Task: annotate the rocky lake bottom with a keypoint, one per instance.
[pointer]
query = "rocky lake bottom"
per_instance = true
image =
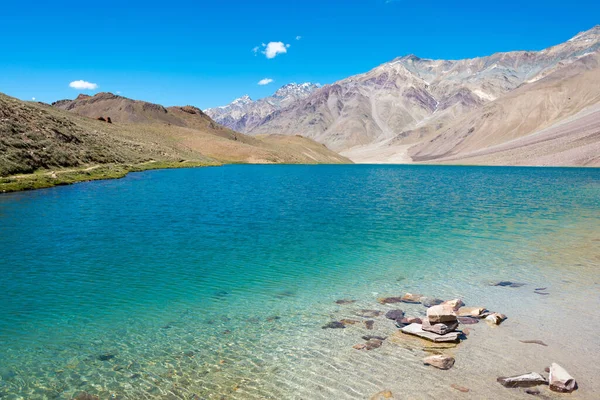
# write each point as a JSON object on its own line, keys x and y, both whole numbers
{"x": 217, "y": 283}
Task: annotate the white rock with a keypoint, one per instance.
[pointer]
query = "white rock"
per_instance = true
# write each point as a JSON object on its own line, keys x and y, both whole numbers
{"x": 560, "y": 380}
{"x": 525, "y": 380}
{"x": 439, "y": 361}
{"x": 495, "y": 318}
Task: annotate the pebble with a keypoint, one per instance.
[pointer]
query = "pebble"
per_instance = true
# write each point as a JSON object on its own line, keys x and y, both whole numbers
{"x": 460, "y": 388}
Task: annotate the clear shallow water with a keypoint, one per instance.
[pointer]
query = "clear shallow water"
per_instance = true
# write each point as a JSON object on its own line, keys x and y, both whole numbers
{"x": 215, "y": 282}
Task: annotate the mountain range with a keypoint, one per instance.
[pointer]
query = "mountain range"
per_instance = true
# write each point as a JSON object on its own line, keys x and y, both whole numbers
{"x": 507, "y": 108}
{"x": 245, "y": 114}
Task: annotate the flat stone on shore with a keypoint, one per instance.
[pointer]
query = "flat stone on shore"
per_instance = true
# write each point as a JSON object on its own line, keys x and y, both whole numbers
{"x": 525, "y": 380}
{"x": 417, "y": 330}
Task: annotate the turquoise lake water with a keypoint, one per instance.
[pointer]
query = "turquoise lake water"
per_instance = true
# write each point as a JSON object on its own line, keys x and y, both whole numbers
{"x": 215, "y": 282}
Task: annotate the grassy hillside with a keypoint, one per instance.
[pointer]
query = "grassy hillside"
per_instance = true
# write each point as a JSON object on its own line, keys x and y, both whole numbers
{"x": 43, "y": 146}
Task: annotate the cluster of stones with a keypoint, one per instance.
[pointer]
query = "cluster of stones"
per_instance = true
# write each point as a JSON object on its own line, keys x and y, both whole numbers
{"x": 441, "y": 326}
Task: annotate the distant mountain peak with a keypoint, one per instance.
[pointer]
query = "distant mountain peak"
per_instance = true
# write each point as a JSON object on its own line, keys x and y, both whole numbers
{"x": 243, "y": 113}
{"x": 295, "y": 89}
{"x": 245, "y": 99}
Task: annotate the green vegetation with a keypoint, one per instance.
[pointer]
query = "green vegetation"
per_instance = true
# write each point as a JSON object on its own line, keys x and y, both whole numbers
{"x": 45, "y": 179}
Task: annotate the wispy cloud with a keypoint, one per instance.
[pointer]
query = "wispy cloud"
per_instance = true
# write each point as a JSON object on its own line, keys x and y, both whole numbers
{"x": 271, "y": 49}
{"x": 265, "y": 81}
{"x": 298, "y": 37}
{"x": 83, "y": 85}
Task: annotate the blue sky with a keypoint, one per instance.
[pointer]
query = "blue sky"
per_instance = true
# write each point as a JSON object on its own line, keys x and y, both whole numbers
{"x": 201, "y": 53}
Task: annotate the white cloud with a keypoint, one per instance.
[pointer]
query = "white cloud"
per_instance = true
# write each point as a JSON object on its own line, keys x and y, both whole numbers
{"x": 33, "y": 99}
{"x": 255, "y": 50}
{"x": 83, "y": 85}
{"x": 265, "y": 81}
{"x": 274, "y": 48}
{"x": 298, "y": 37}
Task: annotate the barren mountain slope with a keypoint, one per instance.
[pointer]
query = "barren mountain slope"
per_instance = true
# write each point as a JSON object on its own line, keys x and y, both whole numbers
{"x": 414, "y": 97}
{"x": 531, "y": 108}
{"x": 572, "y": 141}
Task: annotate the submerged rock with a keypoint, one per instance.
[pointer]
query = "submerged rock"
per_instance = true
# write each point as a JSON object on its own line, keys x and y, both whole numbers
{"x": 431, "y": 301}
{"x": 439, "y": 361}
{"x": 394, "y": 314}
{"x": 411, "y": 320}
{"x": 411, "y": 298}
{"x": 368, "y": 313}
{"x": 373, "y": 344}
{"x": 534, "y": 392}
{"x": 370, "y": 344}
{"x": 345, "y": 301}
{"x": 106, "y": 357}
{"x": 525, "y": 380}
{"x": 349, "y": 321}
{"x": 369, "y": 337}
{"x": 508, "y": 284}
{"x": 334, "y": 325}
{"x": 560, "y": 380}
{"x": 384, "y": 394}
{"x": 468, "y": 320}
{"x": 439, "y": 328}
{"x": 416, "y": 343}
{"x": 389, "y": 300}
{"x": 440, "y": 314}
{"x": 369, "y": 324}
{"x": 460, "y": 388}
{"x": 417, "y": 330}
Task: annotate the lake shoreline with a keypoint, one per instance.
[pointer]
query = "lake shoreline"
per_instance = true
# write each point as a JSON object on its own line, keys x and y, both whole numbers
{"x": 63, "y": 177}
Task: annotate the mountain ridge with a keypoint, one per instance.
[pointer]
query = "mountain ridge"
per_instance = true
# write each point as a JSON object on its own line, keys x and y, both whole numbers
{"x": 410, "y": 98}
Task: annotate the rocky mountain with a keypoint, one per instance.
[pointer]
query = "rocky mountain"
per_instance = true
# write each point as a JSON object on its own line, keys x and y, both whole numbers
{"x": 244, "y": 114}
{"x": 379, "y": 115}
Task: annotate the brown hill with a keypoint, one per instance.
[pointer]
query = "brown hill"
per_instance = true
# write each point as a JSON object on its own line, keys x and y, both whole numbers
{"x": 34, "y": 136}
